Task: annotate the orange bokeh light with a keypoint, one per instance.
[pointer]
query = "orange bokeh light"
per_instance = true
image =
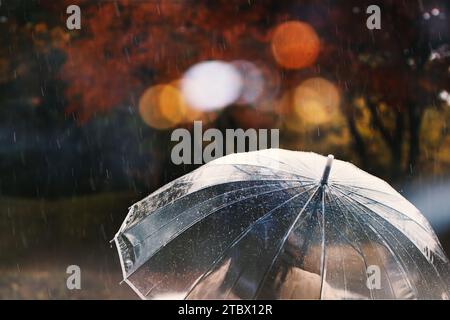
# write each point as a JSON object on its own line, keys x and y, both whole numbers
{"x": 161, "y": 107}
{"x": 171, "y": 104}
{"x": 295, "y": 45}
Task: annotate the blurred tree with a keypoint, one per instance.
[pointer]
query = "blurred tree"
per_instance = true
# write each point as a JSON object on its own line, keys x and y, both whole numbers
{"x": 389, "y": 76}
{"x": 44, "y": 151}
{"x": 124, "y": 46}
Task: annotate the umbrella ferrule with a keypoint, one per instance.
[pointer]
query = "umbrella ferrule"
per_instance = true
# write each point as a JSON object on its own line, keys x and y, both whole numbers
{"x": 326, "y": 171}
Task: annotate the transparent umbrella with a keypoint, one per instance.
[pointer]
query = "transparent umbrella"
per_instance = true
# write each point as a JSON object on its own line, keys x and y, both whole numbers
{"x": 278, "y": 224}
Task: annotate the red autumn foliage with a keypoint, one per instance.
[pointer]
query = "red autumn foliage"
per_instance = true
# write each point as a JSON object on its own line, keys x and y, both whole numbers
{"x": 125, "y": 45}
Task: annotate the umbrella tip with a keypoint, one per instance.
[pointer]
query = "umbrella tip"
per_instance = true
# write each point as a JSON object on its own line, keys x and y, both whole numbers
{"x": 326, "y": 171}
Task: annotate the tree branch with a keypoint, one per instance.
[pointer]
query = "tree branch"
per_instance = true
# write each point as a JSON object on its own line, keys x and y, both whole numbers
{"x": 379, "y": 124}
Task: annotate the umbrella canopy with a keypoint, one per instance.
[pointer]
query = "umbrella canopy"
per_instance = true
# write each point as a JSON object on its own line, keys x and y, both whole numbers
{"x": 280, "y": 224}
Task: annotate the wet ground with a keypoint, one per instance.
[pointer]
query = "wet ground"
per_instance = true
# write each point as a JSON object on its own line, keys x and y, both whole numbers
{"x": 39, "y": 239}
{"x": 46, "y": 279}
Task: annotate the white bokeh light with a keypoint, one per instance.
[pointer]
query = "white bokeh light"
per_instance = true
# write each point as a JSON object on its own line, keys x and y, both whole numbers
{"x": 252, "y": 82}
{"x": 211, "y": 85}
{"x": 435, "y": 12}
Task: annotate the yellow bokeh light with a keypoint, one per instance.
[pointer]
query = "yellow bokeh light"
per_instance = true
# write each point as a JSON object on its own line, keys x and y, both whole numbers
{"x": 295, "y": 45}
{"x": 316, "y": 101}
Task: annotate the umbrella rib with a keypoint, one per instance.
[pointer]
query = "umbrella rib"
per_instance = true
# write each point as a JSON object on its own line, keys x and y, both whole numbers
{"x": 153, "y": 287}
{"x": 405, "y": 217}
{"x": 197, "y": 220}
{"x": 407, "y": 252}
{"x": 343, "y": 235}
{"x": 360, "y": 251}
{"x": 228, "y": 292}
{"x": 412, "y": 259}
{"x": 340, "y": 232}
{"x": 348, "y": 240}
{"x": 286, "y": 235}
{"x": 399, "y": 260}
{"x": 323, "y": 269}
{"x": 349, "y": 188}
{"x": 258, "y": 166}
{"x": 367, "y": 210}
{"x": 343, "y": 270}
{"x": 367, "y": 236}
{"x": 158, "y": 210}
{"x": 384, "y": 205}
{"x": 147, "y": 199}
{"x": 239, "y": 238}
{"x": 294, "y": 168}
{"x": 206, "y": 186}
{"x": 157, "y": 192}
{"x": 239, "y": 168}
{"x": 361, "y": 188}
{"x": 222, "y": 206}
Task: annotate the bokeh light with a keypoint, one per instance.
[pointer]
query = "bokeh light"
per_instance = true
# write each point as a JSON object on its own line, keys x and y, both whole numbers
{"x": 211, "y": 85}
{"x": 252, "y": 82}
{"x": 295, "y": 45}
{"x": 312, "y": 104}
{"x": 192, "y": 114}
{"x": 316, "y": 101}
{"x": 171, "y": 104}
{"x": 162, "y": 106}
